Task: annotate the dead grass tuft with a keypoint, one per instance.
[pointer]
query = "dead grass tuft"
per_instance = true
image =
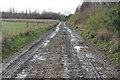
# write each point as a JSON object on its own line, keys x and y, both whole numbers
{"x": 104, "y": 34}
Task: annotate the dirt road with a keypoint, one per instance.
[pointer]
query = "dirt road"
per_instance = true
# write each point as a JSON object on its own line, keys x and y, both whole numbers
{"x": 60, "y": 54}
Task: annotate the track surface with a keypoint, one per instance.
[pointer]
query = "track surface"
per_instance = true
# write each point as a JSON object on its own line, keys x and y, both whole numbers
{"x": 61, "y": 54}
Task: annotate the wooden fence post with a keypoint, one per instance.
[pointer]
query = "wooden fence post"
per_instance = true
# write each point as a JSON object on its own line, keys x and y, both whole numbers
{"x": 27, "y": 23}
{"x": 37, "y": 23}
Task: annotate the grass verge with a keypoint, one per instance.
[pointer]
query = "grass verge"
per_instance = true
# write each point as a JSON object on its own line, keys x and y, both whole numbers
{"x": 109, "y": 47}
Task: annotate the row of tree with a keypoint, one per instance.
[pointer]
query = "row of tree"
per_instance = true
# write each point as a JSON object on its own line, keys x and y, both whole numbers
{"x": 32, "y": 15}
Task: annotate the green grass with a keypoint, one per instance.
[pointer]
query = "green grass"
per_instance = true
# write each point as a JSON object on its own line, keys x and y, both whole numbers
{"x": 115, "y": 58}
{"x": 14, "y": 28}
{"x": 18, "y": 42}
{"x": 0, "y": 57}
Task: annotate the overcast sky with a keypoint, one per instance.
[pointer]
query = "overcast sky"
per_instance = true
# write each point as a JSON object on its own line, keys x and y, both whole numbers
{"x": 40, "y": 5}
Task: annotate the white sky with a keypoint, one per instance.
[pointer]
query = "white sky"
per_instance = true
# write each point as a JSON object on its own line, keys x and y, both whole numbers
{"x": 40, "y": 5}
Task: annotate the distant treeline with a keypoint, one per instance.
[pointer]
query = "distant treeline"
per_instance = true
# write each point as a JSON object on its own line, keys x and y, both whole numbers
{"x": 32, "y": 15}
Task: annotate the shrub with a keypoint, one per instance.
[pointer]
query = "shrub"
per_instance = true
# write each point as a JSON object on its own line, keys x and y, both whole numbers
{"x": 74, "y": 19}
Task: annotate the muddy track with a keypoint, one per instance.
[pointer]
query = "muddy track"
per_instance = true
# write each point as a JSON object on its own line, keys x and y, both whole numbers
{"x": 61, "y": 54}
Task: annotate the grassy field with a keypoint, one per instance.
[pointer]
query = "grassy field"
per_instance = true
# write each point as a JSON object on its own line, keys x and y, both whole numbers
{"x": 14, "y": 28}
{"x": 10, "y": 29}
{"x": 31, "y": 20}
{"x": 16, "y": 35}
